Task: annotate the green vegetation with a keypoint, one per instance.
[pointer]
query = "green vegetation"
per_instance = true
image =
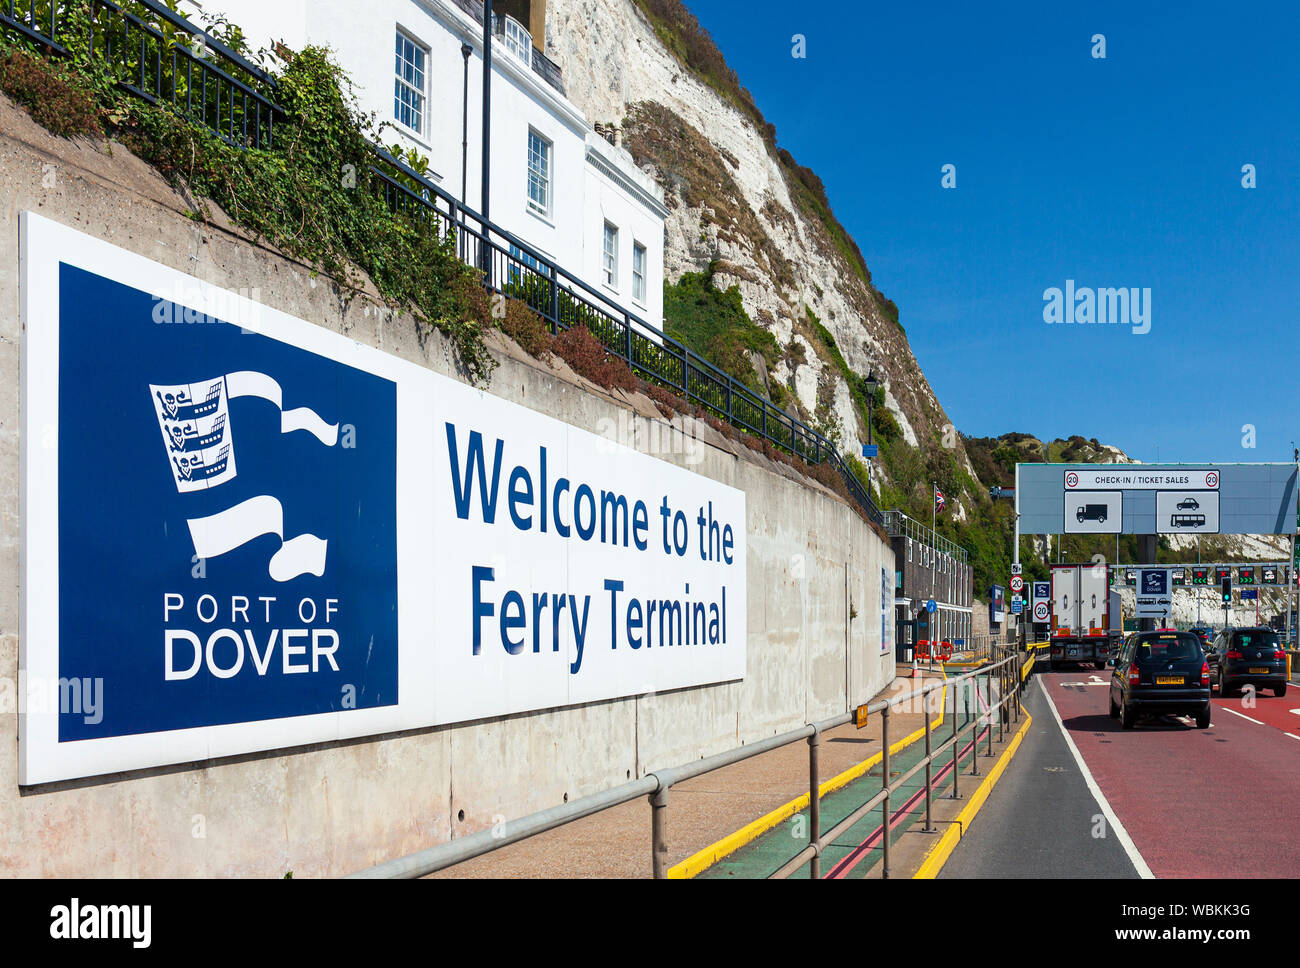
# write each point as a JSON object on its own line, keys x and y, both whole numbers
{"x": 307, "y": 195}
{"x": 884, "y": 427}
{"x": 715, "y": 325}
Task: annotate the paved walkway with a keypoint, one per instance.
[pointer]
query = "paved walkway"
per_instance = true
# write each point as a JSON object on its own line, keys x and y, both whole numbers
{"x": 702, "y": 811}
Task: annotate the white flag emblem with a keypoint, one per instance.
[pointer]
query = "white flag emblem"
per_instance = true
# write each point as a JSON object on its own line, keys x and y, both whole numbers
{"x": 195, "y": 422}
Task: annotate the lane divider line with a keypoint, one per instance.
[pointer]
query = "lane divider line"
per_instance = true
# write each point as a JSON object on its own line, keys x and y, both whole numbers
{"x": 1242, "y": 715}
{"x": 938, "y": 854}
{"x": 702, "y": 860}
{"x": 1121, "y": 834}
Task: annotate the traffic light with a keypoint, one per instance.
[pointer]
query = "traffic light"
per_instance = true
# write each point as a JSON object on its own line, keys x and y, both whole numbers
{"x": 1227, "y": 591}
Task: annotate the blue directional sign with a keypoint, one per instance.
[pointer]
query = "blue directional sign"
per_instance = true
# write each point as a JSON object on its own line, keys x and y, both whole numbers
{"x": 870, "y": 450}
{"x": 1017, "y": 606}
{"x": 1249, "y": 593}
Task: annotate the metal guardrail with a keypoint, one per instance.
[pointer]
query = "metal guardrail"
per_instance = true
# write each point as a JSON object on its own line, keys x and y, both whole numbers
{"x": 151, "y": 68}
{"x": 1005, "y": 707}
{"x": 900, "y": 525}
{"x": 200, "y": 78}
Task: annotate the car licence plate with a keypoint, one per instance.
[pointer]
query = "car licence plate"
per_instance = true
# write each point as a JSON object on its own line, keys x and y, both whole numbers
{"x": 1259, "y": 672}
{"x": 1169, "y": 680}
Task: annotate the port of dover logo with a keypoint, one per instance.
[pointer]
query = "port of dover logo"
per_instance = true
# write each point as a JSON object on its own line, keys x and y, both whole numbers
{"x": 199, "y": 442}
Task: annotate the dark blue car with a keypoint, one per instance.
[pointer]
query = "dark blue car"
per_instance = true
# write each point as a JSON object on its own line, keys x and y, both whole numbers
{"x": 1252, "y": 656}
{"x": 1160, "y": 674}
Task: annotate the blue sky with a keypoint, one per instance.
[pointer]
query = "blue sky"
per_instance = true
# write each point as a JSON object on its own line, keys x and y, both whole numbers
{"x": 1117, "y": 172}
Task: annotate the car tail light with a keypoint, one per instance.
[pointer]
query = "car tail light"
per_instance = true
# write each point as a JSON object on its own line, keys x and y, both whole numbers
{"x": 1279, "y": 652}
{"x": 1205, "y": 673}
{"x": 1234, "y": 655}
{"x": 1133, "y": 677}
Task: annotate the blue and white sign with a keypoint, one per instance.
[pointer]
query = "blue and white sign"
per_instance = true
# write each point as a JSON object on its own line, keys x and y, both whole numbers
{"x": 1154, "y": 594}
{"x": 244, "y": 532}
{"x": 931, "y": 606}
{"x": 886, "y": 613}
{"x": 997, "y": 604}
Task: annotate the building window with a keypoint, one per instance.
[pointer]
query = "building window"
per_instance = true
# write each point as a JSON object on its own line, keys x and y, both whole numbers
{"x": 518, "y": 40}
{"x": 638, "y": 271}
{"x": 609, "y": 256}
{"x": 408, "y": 85}
{"x": 539, "y": 173}
{"x": 519, "y": 258}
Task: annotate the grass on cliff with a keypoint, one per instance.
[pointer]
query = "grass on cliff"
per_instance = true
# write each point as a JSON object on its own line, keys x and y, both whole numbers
{"x": 714, "y": 324}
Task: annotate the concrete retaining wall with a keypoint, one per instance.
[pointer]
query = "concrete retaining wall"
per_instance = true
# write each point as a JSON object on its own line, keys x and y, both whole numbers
{"x": 332, "y": 808}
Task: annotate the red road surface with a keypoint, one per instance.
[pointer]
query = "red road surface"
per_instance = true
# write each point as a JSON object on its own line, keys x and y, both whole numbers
{"x": 1283, "y": 714}
{"x": 1216, "y": 802}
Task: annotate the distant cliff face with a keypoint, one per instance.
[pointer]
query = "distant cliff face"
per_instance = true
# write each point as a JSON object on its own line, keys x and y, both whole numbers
{"x": 734, "y": 203}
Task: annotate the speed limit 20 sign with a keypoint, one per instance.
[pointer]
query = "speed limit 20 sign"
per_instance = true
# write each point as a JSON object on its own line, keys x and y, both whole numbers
{"x": 1040, "y": 611}
{"x": 1017, "y": 583}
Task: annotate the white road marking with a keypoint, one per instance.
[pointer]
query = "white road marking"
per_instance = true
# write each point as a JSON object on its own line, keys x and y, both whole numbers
{"x": 1121, "y": 834}
{"x": 1292, "y": 735}
{"x": 1242, "y": 715}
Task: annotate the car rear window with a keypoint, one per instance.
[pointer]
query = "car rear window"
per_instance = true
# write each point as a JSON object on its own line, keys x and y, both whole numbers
{"x": 1179, "y": 645}
{"x": 1255, "y": 640}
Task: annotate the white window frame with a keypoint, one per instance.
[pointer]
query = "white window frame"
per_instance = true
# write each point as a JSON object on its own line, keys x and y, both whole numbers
{"x": 516, "y": 38}
{"x": 544, "y": 177}
{"x": 421, "y": 92}
{"x": 639, "y": 276}
{"x": 608, "y": 259}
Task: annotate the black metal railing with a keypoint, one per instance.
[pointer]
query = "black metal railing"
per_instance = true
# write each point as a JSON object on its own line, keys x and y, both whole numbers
{"x": 208, "y": 90}
{"x": 165, "y": 60}
{"x": 562, "y": 300}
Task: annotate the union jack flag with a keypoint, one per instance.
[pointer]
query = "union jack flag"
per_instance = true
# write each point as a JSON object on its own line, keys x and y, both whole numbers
{"x": 938, "y": 500}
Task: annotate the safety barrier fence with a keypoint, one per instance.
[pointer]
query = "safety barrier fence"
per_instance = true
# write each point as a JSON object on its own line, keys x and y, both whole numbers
{"x": 1001, "y": 679}
{"x": 161, "y": 57}
{"x": 173, "y": 61}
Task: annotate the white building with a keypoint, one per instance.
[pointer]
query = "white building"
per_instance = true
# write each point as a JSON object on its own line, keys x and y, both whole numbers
{"x": 555, "y": 183}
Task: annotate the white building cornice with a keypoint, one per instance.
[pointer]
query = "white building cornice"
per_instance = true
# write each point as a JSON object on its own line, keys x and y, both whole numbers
{"x": 609, "y": 169}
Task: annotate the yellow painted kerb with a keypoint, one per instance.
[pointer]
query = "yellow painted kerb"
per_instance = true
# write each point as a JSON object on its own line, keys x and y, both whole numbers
{"x": 706, "y": 858}
{"x": 939, "y": 854}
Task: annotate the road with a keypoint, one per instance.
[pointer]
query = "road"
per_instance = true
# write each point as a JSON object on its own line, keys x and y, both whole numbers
{"x": 1038, "y": 821}
{"x": 1184, "y": 802}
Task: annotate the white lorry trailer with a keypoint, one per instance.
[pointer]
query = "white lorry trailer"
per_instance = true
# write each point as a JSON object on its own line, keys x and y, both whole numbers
{"x": 1081, "y": 607}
